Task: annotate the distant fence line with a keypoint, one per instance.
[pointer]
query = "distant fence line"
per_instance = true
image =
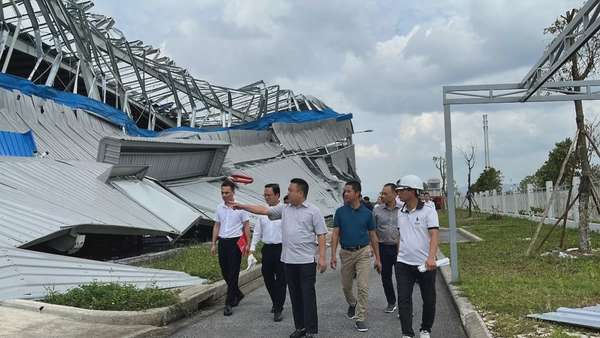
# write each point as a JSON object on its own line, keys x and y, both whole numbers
{"x": 531, "y": 204}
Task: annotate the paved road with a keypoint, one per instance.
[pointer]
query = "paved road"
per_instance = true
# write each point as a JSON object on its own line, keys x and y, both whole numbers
{"x": 252, "y": 317}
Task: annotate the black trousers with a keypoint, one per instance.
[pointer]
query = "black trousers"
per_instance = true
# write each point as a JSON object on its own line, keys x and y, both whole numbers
{"x": 407, "y": 275}
{"x": 230, "y": 259}
{"x": 388, "y": 254}
{"x": 301, "y": 280}
{"x": 273, "y": 271}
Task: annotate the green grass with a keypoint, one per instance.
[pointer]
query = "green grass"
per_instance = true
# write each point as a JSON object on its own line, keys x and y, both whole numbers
{"x": 197, "y": 261}
{"x": 113, "y": 296}
{"x": 506, "y": 285}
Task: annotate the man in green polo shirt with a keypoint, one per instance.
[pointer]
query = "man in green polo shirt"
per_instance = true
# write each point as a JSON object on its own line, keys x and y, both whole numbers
{"x": 355, "y": 229}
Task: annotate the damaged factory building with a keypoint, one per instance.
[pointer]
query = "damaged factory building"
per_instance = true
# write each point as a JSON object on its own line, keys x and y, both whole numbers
{"x": 108, "y": 150}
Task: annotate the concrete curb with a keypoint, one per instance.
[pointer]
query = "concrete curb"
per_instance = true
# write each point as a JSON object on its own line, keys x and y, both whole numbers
{"x": 190, "y": 301}
{"x": 472, "y": 322}
{"x": 149, "y": 256}
{"x": 470, "y": 235}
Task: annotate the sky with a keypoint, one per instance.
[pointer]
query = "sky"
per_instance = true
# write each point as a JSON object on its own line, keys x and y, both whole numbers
{"x": 383, "y": 61}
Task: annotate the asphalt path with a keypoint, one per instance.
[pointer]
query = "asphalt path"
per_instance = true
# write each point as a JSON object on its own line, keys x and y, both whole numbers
{"x": 252, "y": 318}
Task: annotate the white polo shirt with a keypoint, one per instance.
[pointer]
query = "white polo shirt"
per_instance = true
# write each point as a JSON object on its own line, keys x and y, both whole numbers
{"x": 231, "y": 221}
{"x": 414, "y": 229}
{"x": 266, "y": 231}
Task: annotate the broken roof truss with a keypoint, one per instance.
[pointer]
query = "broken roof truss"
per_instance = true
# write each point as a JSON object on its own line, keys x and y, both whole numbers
{"x": 66, "y": 35}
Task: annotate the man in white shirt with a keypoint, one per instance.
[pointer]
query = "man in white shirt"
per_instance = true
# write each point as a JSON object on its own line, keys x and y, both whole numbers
{"x": 427, "y": 200}
{"x": 229, "y": 226}
{"x": 419, "y": 230}
{"x": 273, "y": 269}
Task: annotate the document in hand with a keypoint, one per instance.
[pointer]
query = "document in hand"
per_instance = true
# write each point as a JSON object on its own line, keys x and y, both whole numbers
{"x": 241, "y": 243}
{"x": 438, "y": 263}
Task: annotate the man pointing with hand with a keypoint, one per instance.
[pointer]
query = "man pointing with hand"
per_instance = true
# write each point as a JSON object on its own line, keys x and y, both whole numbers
{"x": 300, "y": 223}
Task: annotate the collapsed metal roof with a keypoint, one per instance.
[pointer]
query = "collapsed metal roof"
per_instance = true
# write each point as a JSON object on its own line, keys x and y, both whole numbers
{"x": 29, "y": 274}
{"x": 163, "y": 183}
{"x": 61, "y": 132}
{"x": 85, "y": 52}
{"x": 46, "y": 199}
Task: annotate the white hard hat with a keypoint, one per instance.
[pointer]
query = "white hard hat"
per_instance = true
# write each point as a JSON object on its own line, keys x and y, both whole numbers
{"x": 410, "y": 181}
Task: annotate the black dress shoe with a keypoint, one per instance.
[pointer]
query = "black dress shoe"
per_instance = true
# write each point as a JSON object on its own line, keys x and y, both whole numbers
{"x": 238, "y": 299}
{"x": 227, "y": 311}
{"x": 298, "y": 333}
{"x": 278, "y": 316}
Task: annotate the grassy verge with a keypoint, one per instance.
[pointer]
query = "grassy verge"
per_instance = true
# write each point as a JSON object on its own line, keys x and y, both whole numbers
{"x": 197, "y": 261}
{"x": 505, "y": 285}
{"x": 113, "y": 296}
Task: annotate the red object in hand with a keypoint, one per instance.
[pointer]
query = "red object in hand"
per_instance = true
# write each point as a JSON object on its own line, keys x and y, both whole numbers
{"x": 242, "y": 179}
{"x": 241, "y": 243}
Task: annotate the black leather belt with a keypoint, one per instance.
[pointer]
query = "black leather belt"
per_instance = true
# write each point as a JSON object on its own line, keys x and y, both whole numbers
{"x": 354, "y": 248}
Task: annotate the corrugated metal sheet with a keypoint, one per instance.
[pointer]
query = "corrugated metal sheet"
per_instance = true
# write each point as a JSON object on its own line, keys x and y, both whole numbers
{"x": 206, "y": 194}
{"x": 251, "y": 145}
{"x": 246, "y": 145}
{"x": 153, "y": 197}
{"x": 28, "y": 274}
{"x": 40, "y": 197}
{"x": 167, "y": 159}
{"x": 59, "y": 130}
{"x": 311, "y": 135}
{"x": 586, "y": 317}
{"x": 282, "y": 171}
{"x": 342, "y": 163}
{"x": 17, "y": 144}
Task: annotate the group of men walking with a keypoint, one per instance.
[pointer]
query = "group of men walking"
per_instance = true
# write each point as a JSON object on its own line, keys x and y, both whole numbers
{"x": 401, "y": 233}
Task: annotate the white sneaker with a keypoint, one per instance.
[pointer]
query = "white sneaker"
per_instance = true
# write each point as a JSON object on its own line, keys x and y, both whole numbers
{"x": 424, "y": 334}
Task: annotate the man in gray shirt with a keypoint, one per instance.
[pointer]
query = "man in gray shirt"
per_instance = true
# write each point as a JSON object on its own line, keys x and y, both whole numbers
{"x": 385, "y": 217}
{"x": 300, "y": 223}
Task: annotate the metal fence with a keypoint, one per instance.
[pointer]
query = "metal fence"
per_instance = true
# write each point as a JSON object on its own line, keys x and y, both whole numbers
{"x": 531, "y": 204}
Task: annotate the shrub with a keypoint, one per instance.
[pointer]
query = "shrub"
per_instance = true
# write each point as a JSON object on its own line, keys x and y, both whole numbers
{"x": 113, "y": 296}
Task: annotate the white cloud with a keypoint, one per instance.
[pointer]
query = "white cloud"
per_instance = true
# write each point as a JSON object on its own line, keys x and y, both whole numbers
{"x": 369, "y": 152}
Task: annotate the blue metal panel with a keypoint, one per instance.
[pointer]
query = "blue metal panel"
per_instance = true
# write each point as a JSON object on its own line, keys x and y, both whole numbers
{"x": 17, "y": 144}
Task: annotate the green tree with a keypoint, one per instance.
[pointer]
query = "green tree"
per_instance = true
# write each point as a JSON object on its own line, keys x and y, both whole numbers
{"x": 551, "y": 168}
{"x": 530, "y": 179}
{"x": 490, "y": 179}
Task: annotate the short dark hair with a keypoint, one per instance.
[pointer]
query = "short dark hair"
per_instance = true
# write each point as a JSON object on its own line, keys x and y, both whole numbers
{"x": 355, "y": 185}
{"x": 302, "y": 184}
{"x": 367, "y": 198}
{"x": 391, "y": 186}
{"x": 274, "y": 187}
{"x": 228, "y": 183}
{"x": 425, "y": 193}
{"x": 285, "y": 198}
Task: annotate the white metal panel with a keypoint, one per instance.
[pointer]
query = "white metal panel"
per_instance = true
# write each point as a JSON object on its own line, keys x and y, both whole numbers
{"x": 28, "y": 274}
{"x": 40, "y": 197}
{"x": 160, "y": 202}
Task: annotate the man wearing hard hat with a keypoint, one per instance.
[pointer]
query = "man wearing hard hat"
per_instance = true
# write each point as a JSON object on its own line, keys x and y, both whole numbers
{"x": 419, "y": 230}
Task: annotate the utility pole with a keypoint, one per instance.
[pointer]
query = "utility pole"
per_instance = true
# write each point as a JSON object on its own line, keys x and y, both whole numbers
{"x": 486, "y": 142}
